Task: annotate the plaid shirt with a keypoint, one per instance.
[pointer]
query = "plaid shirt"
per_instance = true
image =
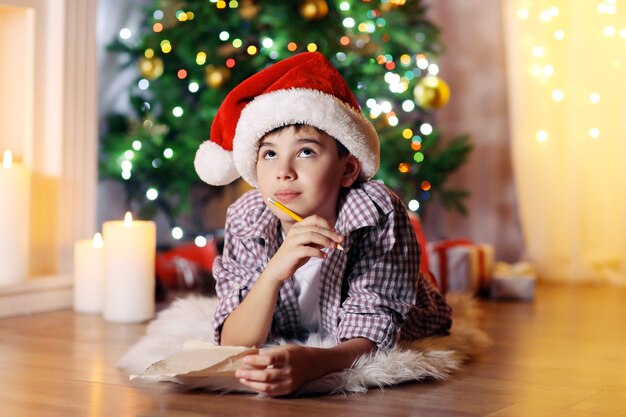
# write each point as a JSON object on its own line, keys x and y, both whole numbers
{"x": 373, "y": 289}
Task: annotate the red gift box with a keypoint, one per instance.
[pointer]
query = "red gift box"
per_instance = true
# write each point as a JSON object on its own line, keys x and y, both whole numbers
{"x": 419, "y": 232}
{"x": 461, "y": 265}
{"x": 178, "y": 267}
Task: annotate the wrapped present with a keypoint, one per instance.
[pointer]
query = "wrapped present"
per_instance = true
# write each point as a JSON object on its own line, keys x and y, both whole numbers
{"x": 421, "y": 238}
{"x": 516, "y": 281}
{"x": 180, "y": 267}
{"x": 462, "y": 265}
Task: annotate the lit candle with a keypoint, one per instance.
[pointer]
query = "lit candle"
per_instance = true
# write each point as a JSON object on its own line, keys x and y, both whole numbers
{"x": 89, "y": 275}
{"x": 14, "y": 220}
{"x": 130, "y": 249}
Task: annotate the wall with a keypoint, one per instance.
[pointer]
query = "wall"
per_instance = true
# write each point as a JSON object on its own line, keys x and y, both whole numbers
{"x": 474, "y": 67}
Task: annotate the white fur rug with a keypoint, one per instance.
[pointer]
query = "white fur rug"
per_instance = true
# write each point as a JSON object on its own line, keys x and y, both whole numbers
{"x": 430, "y": 358}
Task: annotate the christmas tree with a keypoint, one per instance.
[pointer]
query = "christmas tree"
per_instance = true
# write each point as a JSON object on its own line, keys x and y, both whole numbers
{"x": 191, "y": 53}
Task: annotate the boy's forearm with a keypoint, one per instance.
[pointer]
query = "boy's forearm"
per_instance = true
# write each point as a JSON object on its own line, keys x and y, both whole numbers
{"x": 249, "y": 324}
{"x": 340, "y": 357}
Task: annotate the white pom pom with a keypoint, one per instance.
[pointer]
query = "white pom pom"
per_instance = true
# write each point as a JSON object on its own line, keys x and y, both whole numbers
{"x": 214, "y": 164}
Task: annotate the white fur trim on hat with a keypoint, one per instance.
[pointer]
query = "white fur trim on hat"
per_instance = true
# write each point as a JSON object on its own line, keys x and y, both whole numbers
{"x": 214, "y": 164}
{"x": 311, "y": 107}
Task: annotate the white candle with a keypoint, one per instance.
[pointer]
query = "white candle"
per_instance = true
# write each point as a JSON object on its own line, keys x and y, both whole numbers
{"x": 130, "y": 250}
{"x": 89, "y": 275}
{"x": 14, "y": 220}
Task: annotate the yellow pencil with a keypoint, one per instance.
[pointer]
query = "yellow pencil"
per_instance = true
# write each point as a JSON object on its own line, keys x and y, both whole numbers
{"x": 291, "y": 214}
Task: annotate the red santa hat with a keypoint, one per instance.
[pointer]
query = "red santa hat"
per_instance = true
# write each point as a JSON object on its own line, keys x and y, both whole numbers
{"x": 302, "y": 89}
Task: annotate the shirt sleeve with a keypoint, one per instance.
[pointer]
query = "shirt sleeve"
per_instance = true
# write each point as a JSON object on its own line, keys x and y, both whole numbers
{"x": 235, "y": 272}
{"x": 381, "y": 284}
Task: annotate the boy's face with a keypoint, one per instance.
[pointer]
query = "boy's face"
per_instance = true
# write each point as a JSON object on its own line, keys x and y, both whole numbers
{"x": 301, "y": 169}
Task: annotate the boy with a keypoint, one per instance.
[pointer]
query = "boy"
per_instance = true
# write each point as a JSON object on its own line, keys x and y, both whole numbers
{"x": 349, "y": 269}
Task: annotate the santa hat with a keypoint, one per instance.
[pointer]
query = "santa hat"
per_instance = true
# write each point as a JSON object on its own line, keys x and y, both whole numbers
{"x": 303, "y": 89}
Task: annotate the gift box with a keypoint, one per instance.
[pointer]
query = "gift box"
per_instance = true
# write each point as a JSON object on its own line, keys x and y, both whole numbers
{"x": 462, "y": 265}
{"x": 516, "y": 281}
{"x": 421, "y": 238}
{"x": 181, "y": 267}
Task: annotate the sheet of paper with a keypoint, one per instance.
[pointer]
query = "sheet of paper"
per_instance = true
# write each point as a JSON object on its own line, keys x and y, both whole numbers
{"x": 199, "y": 359}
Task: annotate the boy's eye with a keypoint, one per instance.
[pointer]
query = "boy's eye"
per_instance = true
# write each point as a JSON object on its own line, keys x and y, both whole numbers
{"x": 307, "y": 152}
{"x": 269, "y": 154}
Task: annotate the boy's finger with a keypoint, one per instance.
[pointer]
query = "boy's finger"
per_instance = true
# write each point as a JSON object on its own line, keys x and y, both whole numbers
{"x": 257, "y": 361}
{"x": 330, "y": 234}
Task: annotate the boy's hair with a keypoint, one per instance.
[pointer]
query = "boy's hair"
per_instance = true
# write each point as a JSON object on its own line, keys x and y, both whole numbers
{"x": 342, "y": 151}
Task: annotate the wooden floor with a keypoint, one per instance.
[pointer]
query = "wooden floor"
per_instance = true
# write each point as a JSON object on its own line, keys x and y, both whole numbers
{"x": 563, "y": 355}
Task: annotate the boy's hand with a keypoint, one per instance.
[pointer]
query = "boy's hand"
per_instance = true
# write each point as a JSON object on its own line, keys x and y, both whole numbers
{"x": 304, "y": 240}
{"x": 280, "y": 370}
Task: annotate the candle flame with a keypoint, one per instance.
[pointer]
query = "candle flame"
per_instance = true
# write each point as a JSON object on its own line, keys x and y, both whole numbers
{"x": 128, "y": 219}
{"x": 8, "y": 159}
{"x": 97, "y": 240}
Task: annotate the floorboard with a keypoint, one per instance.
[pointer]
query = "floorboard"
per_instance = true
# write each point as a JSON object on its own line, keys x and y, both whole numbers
{"x": 561, "y": 355}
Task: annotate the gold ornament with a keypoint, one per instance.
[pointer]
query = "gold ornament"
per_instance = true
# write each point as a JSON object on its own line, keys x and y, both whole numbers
{"x": 150, "y": 68}
{"x": 248, "y": 10}
{"x": 393, "y": 4}
{"x": 431, "y": 92}
{"x": 216, "y": 77}
{"x": 313, "y": 9}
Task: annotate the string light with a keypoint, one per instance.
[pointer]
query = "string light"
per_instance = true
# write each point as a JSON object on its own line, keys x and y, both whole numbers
{"x": 557, "y": 95}
{"x": 609, "y": 30}
{"x": 542, "y": 136}
{"x": 543, "y": 71}
{"x": 194, "y": 87}
{"x": 348, "y": 22}
{"x": 523, "y": 13}
{"x": 200, "y": 241}
{"x": 181, "y": 16}
{"x": 421, "y": 61}
{"x": 426, "y": 129}
{"x": 152, "y": 194}
{"x": 126, "y": 33}
{"x": 166, "y": 46}
{"x": 177, "y": 233}
{"x": 594, "y": 98}
{"x": 408, "y": 106}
